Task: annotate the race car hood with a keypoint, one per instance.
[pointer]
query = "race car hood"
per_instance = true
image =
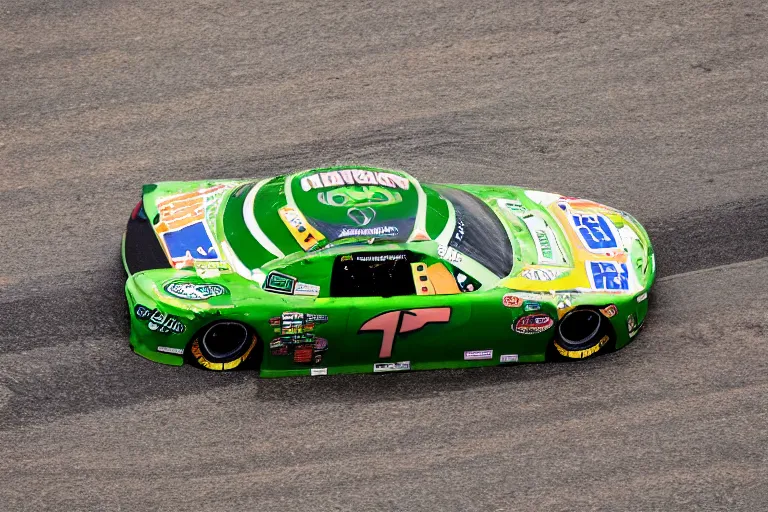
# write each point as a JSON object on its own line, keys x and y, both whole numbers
{"x": 574, "y": 244}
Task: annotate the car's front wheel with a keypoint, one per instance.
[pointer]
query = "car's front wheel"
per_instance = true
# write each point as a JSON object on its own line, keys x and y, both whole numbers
{"x": 582, "y": 333}
{"x": 223, "y": 345}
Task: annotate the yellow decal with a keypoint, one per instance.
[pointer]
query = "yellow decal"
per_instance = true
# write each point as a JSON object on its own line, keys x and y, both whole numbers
{"x": 581, "y": 354}
{"x": 302, "y": 231}
{"x": 204, "y": 362}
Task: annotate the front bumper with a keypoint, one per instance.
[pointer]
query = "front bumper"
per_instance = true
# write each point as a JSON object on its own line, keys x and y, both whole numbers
{"x": 155, "y": 325}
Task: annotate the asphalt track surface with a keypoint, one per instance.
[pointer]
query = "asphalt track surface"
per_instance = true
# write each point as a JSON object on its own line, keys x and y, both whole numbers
{"x": 657, "y": 107}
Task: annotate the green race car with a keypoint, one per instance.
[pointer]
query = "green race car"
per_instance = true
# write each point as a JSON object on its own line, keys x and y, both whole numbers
{"x": 357, "y": 269}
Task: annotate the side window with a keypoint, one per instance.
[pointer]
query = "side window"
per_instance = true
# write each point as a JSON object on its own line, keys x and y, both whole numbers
{"x": 370, "y": 274}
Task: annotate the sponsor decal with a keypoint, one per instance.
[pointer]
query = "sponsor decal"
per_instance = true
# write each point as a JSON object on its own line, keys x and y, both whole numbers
{"x": 642, "y": 297}
{"x": 307, "y": 236}
{"x": 346, "y": 177}
{"x": 377, "y": 231}
{"x": 392, "y": 367}
{"x": 511, "y": 301}
{"x": 545, "y": 246}
{"x": 296, "y": 337}
{"x": 211, "y": 269}
{"x": 610, "y": 311}
{"x": 513, "y": 205}
{"x": 171, "y": 350}
{"x": 314, "y": 372}
{"x": 183, "y": 227}
{"x": 537, "y": 297}
{"x": 158, "y": 321}
{"x": 508, "y": 358}
{"x": 596, "y": 232}
{"x": 458, "y": 232}
{"x": 194, "y": 291}
{"x": 542, "y": 274}
{"x": 449, "y": 253}
{"x": 533, "y": 324}
{"x": 278, "y": 282}
{"x": 608, "y": 275}
{"x": 544, "y": 239}
{"x": 474, "y": 355}
{"x": 306, "y": 289}
{"x": 393, "y": 323}
{"x": 532, "y": 306}
{"x": 376, "y": 257}
{"x": 197, "y": 236}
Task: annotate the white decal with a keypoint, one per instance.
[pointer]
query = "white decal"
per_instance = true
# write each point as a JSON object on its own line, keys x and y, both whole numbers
{"x": 193, "y": 291}
{"x": 392, "y": 367}
{"x": 542, "y": 198}
{"x": 306, "y": 289}
{"x": 513, "y": 205}
{"x": 542, "y": 274}
{"x": 171, "y": 350}
{"x": 508, "y": 358}
{"x": 353, "y": 177}
{"x": 472, "y": 355}
{"x": 378, "y": 231}
{"x": 545, "y": 240}
{"x": 318, "y": 371}
{"x": 449, "y": 253}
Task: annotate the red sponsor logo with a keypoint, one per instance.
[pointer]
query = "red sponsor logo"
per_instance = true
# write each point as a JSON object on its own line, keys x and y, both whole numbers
{"x": 303, "y": 355}
{"x": 511, "y": 301}
{"x": 532, "y": 324}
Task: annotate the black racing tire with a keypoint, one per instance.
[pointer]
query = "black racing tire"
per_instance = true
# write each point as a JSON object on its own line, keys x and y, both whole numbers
{"x": 582, "y": 333}
{"x": 223, "y": 345}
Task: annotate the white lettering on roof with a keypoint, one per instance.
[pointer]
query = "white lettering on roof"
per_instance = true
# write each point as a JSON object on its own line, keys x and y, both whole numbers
{"x": 353, "y": 177}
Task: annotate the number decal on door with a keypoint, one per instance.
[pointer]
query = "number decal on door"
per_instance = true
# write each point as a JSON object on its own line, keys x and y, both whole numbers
{"x": 400, "y": 322}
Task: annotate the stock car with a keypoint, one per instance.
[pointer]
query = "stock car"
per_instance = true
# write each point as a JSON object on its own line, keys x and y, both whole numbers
{"x": 352, "y": 269}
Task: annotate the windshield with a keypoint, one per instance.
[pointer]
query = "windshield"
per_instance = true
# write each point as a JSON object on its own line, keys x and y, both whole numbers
{"x": 479, "y": 233}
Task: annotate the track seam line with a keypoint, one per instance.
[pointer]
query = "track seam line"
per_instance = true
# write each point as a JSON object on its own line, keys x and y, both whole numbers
{"x": 712, "y": 269}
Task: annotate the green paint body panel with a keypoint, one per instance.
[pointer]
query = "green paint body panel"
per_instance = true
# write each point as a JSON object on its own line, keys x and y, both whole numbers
{"x": 380, "y": 212}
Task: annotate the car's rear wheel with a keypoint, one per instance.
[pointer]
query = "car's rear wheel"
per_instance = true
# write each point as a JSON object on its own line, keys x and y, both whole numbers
{"x": 582, "y": 333}
{"x": 223, "y": 345}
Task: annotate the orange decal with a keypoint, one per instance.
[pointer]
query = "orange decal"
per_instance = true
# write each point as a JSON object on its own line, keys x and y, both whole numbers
{"x": 183, "y": 209}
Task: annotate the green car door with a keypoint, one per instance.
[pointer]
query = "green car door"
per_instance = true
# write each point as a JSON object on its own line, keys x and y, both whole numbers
{"x": 408, "y": 331}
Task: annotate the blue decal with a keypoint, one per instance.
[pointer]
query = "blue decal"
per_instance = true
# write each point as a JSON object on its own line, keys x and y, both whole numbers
{"x": 193, "y": 239}
{"x": 595, "y": 231}
{"x": 607, "y": 275}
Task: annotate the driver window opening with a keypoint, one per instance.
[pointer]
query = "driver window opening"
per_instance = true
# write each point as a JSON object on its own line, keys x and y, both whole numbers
{"x": 371, "y": 274}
